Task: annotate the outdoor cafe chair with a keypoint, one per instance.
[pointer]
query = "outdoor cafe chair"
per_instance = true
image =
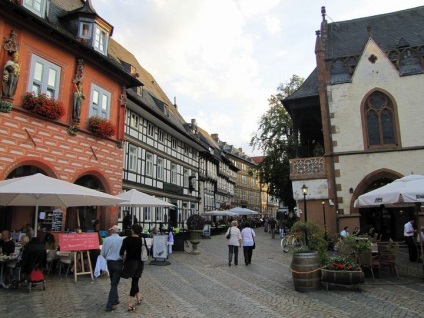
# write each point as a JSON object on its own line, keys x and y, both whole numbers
{"x": 366, "y": 260}
{"x": 388, "y": 258}
{"x": 65, "y": 258}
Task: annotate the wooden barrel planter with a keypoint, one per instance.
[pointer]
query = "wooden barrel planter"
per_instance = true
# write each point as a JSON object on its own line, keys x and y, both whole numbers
{"x": 343, "y": 277}
{"x": 306, "y": 271}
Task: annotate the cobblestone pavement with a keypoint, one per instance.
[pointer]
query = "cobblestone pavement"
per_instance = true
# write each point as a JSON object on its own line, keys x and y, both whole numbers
{"x": 205, "y": 286}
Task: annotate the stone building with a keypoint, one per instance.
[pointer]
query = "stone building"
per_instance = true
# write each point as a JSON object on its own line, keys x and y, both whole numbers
{"x": 362, "y": 104}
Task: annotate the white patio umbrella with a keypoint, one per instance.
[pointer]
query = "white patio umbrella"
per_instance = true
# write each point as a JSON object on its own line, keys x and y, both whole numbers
{"x": 409, "y": 189}
{"x": 40, "y": 190}
{"x": 243, "y": 211}
{"x": 135, "y": 198}
{"x": 220, "y": 213}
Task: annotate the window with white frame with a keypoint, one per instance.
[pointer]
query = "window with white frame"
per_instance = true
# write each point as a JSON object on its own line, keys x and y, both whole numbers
{"x": 100, "y": 102}
{"x": 150, "y": 129}
{"x": 185, "y": 211}
{"x": 243, "y": 195}
{"x": 100, "y": 40}
{"x": 186, "y": 179}
{"x": 161, "y": 136}
{"x": 44, "y": 77}
{"x": 147, "y": 214}
{"x": 85, "y": 30}
{"x": 159, "y": 213}
{"x": 193, "y": 208}
{"x": 159, "y": 168}
{"x": 173, "y": 173}
{"x": 174, "y": 143}
{"x": 134, "y": 120}
{"x": 243, "y": 179}
{"x": 36, "y": 6}
{"x": 132, "y": 157}
{"x": 149, "y": 164}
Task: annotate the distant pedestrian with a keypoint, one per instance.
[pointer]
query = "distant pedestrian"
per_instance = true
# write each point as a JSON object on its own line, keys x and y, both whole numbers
{"x": 133, "y": 265}
{"x": 234, "y": 242}
{"x": 408, "y": 233}
{"x": 344, "y": 232}
{"x": 248, "y": 238}
{"x": 110, "y": 251}
{"x": 272, "y": 223}
{"x": 170, "y": 240}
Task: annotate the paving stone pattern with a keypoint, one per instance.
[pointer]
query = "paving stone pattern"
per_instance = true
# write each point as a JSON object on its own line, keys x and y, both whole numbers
{"x": 205, "y": 286}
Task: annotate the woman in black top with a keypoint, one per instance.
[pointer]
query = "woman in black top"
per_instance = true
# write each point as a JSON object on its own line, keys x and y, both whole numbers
{"x": 133, "y": 266}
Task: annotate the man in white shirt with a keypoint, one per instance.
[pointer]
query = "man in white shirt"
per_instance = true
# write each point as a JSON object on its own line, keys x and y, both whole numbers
{"x": 408, "y": 233}
{"x": 344, "y": 233}
{"x": 110, "y": 251}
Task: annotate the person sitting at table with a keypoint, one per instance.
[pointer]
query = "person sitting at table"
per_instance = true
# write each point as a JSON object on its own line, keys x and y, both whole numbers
{"x": 15, "y": 265}
{"x": 34, "y": 256}
{"x": 344, "y": 232}
{"x": 51, "y": 248}
{"x": 7, "y": 244}
{"x": 356, "y": 231}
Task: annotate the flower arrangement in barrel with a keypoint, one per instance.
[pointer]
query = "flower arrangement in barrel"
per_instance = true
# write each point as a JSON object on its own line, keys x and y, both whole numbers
{"x": 43, "y": 105}
{"x": 342, "y": 264}
{"x": 101, "y": 127}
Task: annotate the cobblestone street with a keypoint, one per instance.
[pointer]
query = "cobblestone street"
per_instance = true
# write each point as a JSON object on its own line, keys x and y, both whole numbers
{"x": 205, "y": 286}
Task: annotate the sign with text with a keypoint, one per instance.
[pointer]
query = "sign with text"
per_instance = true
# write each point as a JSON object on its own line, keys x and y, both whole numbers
{"x": 78, "y": 242}
{"x": 160, "y": 246}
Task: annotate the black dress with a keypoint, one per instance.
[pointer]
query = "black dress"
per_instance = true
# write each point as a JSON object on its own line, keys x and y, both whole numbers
{"x": 133, "y": 266}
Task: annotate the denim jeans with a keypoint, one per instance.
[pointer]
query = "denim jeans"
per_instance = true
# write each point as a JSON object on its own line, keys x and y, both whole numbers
{"x": 115, "y": 269}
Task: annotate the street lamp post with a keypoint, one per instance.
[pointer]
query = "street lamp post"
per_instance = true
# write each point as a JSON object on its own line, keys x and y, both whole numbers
{"x": 305, "y": 192}
{"x": 323, "y": 212}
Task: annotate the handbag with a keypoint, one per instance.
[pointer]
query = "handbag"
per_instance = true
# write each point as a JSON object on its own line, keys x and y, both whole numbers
{"x": 229, "y": 234}
{"x": 254, "y": 243}
{"x": 144, "y": 251}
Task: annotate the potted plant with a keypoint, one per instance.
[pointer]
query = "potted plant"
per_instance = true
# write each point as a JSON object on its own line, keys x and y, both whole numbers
{"x": 101, "y": 127}
{"x": 43, "y": 105}
{"x": 195, "y": 224}
{"x": 342, "y": 270}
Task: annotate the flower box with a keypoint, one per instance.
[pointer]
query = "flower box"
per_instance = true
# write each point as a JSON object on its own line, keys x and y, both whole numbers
{"x": 43, "y": 105}
{"x": 101, "y": 127}
{"x": 342, "y": 277}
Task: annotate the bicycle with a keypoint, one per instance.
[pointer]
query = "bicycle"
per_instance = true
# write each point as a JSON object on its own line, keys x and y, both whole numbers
{"x": 292, "y": 241}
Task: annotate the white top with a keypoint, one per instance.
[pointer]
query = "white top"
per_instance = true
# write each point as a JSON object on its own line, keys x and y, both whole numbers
{"x": 408, "y": 228}
{"x": 344, "y": 233}
{"x": 247, "y": 235}
{"x": 235, "y": 236}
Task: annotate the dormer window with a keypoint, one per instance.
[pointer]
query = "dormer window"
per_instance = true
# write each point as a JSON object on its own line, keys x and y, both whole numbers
{"x": 36, "y": 6}
{"x": 85, "y": 30}
{"x": 100, "y": 40}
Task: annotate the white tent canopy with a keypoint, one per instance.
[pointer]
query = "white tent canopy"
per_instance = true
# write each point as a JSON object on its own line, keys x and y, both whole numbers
{"x": 219, "y": 213}
{"x": 406, "y": 190}
{"x": 243, "y": 211}
{"x": 40, "y": 190}
{"x": 134, "y": 198}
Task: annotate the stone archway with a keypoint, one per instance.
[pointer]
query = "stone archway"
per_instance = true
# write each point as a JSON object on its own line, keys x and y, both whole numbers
{"x": 386, "y": 221}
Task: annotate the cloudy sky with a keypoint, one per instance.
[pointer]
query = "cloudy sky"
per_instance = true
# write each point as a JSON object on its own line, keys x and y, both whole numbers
{"x": 223, "y": 59}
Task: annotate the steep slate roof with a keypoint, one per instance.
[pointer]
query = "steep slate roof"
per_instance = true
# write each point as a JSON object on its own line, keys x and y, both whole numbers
{"x": 347, "y": 38}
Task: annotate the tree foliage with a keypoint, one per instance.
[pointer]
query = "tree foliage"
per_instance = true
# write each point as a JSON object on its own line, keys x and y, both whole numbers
{"x": 275, "y": 139}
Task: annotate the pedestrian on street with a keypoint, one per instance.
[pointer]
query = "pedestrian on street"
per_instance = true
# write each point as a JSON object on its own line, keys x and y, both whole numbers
{"x": 234, "y": 242}
{"x": 110, "y": 251}
{"x": 408, "y": 233}
{"x": 272, "y": 223}
{"x": 248, "y": 238}
{"x": 133, "y": 265}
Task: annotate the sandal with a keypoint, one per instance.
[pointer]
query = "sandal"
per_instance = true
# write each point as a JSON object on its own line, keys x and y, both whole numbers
{"x": 131, "y": 307}
{"x": 139, "y": 299}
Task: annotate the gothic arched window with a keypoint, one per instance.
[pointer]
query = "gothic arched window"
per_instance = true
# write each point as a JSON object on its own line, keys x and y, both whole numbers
{"x": 380, "y": 121}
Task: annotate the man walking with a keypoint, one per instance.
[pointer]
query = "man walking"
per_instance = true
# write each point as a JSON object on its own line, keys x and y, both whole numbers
{"x": 409, "y": 233}
{"x": 272, "y": 224}
{"x": 110, "y": 251}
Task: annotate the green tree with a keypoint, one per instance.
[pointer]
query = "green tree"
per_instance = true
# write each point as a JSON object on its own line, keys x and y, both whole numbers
{"x": 275, "y": 139}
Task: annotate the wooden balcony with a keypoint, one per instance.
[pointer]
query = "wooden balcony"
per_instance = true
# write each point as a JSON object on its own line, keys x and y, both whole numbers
{"x": 307, "y": 168}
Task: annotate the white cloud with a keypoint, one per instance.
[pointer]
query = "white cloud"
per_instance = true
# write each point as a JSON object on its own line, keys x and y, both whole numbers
{"x": 222, "y": 59}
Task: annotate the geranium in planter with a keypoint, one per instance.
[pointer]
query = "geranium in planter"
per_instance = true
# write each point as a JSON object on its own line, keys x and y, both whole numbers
{"x": 43, "y": 105}
{"x": 195, "y": 224}
{"x": 101, "y": 127}
{"x": 342, "y": 270}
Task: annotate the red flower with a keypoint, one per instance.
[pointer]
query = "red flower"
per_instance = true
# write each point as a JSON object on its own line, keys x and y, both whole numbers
{"x": 43, "y": 105}
{"x": 101, "y": 127}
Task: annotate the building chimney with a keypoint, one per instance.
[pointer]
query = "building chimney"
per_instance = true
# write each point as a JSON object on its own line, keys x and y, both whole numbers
{"x": 215, "y": 136}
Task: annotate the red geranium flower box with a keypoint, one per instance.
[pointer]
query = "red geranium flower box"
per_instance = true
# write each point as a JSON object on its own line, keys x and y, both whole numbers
{"x": 43, "y": 105}
{"x": 101, "y": 127}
